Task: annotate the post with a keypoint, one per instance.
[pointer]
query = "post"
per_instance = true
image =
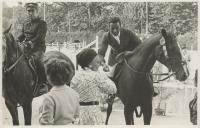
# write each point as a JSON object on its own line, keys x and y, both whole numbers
{"x": 147, "y": 18}
{"x": 69, "y": 25}
{"x": 198, "y": 76}
{"x": 97, "y": 44}
{"x": 13, "y": 17}
{"x": 44, "y": 11}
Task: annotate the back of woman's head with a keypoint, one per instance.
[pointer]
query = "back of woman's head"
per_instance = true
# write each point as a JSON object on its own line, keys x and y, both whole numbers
{"x": 59, "y": 72}
{"x": 85, "y": 57}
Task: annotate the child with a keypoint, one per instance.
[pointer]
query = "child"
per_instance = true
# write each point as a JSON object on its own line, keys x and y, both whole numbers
{"x": 60, "y": 106}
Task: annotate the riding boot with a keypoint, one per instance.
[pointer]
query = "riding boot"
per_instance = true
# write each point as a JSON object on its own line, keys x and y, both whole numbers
{"x": 42, "y": 81}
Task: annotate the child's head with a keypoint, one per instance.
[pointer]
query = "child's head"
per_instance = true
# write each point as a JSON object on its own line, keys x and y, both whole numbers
{"x": 59, "y": 72}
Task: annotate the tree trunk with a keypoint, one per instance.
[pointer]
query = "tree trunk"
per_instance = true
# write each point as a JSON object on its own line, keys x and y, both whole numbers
{"x": 89, "y": 17}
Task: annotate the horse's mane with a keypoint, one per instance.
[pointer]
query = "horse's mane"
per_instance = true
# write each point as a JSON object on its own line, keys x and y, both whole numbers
{"x": 146, "y": 43}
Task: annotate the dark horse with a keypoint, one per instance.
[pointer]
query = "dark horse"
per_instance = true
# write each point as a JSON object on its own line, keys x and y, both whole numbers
{"x": 135, "y": 84}
{"x": 19, "y": 79}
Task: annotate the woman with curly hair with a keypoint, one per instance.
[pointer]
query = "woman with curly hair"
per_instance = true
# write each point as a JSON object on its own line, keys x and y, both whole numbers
{"x": 89, "y": 83}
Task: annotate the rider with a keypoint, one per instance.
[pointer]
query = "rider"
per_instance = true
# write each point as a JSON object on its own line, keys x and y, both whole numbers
{"x": 120, "y": 40}
{"x": 33, "y": 37}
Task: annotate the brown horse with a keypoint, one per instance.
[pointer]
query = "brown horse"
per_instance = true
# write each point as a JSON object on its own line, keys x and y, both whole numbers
{"x": 135, "y": 84}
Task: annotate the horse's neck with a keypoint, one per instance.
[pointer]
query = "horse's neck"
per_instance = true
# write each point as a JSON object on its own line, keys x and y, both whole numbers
{"x": 13, "y": 53}
{"x": 144, "y": 58}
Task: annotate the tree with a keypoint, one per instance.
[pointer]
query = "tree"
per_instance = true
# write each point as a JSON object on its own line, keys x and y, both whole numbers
{"x": 87, "y": 18}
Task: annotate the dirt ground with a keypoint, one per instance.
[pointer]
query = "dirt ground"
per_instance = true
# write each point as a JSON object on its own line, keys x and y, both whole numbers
{"x": 116, "y": 118}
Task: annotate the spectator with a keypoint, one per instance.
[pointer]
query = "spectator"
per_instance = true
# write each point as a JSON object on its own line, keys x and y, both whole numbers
{"x": 90, "y": 84}
{"x": 60, "y": 106}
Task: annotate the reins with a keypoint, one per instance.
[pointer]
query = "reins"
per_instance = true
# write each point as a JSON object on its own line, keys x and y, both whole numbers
{"x": 147, "y": 74}
{"x": 7, "y": 70}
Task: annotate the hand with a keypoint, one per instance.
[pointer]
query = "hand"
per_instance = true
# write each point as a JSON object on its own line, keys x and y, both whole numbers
{"x": 30, "y": 44}
{"x": 17, "y": 41}
{"x": 106, "y": 68}
{"x": 101, "y": 58}
{"x": 22, "y": 46}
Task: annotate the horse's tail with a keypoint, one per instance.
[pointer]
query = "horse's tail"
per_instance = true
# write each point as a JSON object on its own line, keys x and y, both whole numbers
{"x": 138, "y": 115}
{"x": 7, "y": 30}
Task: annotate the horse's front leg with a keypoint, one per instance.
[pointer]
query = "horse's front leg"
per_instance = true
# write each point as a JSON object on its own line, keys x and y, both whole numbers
{"x": 12, "y": 107}
{"x": 110, "y": 102}
{"x": 27, "y": 108}
{"x": 147, "y": 113}
{"x": 128, "y": 113}
{"x": 132, "y": 119}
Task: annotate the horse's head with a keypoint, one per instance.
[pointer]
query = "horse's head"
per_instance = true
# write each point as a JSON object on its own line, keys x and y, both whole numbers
{"x": 169, "y": 54}
{"x": 8, "y": 45}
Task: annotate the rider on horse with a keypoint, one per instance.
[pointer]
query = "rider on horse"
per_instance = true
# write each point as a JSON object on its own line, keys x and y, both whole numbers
{"x": 120, "y": 40}
{"x": 33, "y": 37}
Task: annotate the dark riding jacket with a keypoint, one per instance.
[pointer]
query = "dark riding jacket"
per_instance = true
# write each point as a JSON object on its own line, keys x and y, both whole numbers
{"x": 128, "y": 41}
{"x": 34, "y": 31}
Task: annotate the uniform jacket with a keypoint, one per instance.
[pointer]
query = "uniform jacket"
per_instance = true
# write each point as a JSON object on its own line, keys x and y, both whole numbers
{"x": 34, "y": 31}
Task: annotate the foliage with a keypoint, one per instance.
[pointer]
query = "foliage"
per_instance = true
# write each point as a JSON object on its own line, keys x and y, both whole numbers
{"x": 71, "y": 18}
{"x": 188, "y": 40}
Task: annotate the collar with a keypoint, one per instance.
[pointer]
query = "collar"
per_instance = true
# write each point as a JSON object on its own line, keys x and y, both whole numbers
{"x": 116, "y": 36}
{"x": 54, "y": 88}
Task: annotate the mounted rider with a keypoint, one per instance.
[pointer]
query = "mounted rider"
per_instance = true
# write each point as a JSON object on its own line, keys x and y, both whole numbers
{"x": 33, "y": 37}
{"x": 121, "y": 40}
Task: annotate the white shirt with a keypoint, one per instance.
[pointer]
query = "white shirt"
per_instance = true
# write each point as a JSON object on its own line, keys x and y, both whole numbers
{"x": 117, "y": 37}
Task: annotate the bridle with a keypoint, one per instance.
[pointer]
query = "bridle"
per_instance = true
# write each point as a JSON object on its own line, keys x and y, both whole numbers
{"x": 170, "y": 59}
{"x": 7, "y": 69}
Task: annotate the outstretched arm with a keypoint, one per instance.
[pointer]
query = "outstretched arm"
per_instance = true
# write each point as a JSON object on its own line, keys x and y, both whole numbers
{"x": 103, "y": 46}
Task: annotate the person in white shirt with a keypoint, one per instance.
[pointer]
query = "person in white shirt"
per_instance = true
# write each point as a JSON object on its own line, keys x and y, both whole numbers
{"x": 60, "y": 106}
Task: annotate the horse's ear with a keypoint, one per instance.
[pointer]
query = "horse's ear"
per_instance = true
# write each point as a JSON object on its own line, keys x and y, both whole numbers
{"x": 7, "y": 30}
{"x": 164, "y": 32}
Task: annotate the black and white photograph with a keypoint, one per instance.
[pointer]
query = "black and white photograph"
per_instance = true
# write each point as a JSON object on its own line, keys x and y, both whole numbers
{"x": 99, "y": 63}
